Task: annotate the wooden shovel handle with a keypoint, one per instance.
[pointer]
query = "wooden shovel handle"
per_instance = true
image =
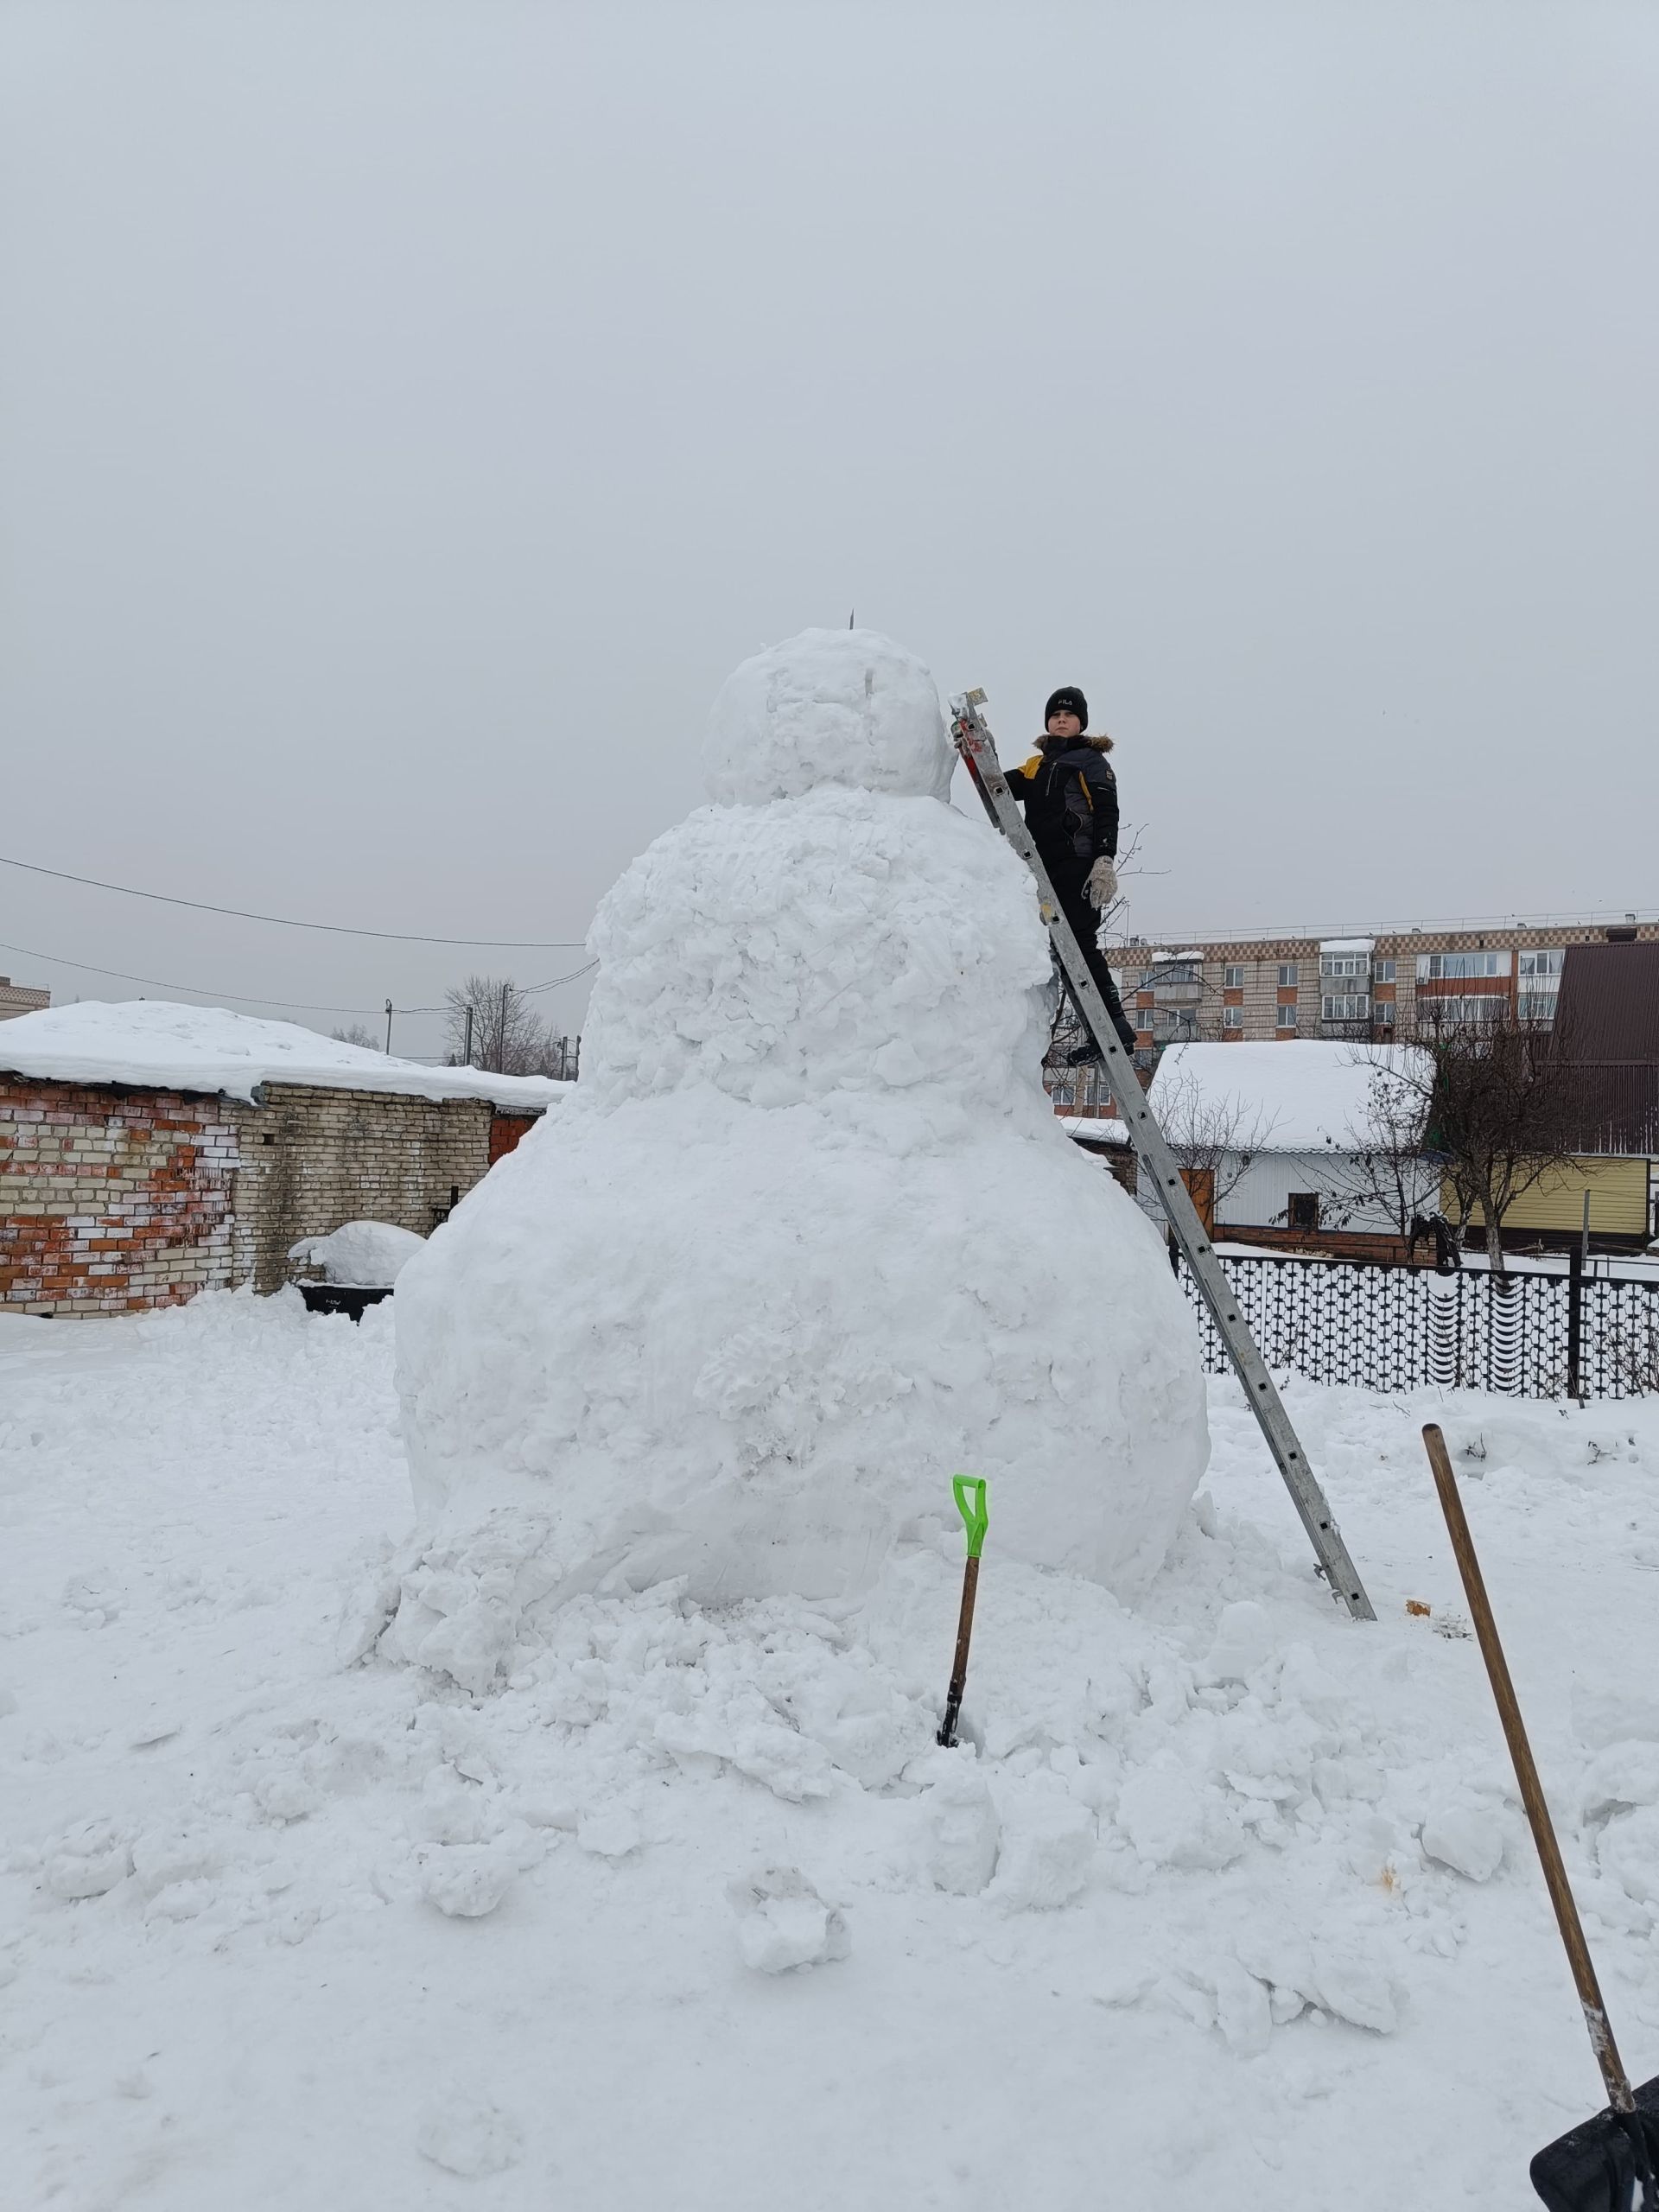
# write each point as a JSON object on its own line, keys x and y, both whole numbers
{"x": 1532, "y": 1795}
{"x": 947, "y": 1734}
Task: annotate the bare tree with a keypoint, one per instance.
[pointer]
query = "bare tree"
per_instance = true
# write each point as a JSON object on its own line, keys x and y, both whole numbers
{"x": 1383, "y": 1165}
{"x": 355, "y": 1032}
{"x": 1499, "y": 1101}
{"x": 505, "y": 1033}
{"x": 1216, "y": 1135}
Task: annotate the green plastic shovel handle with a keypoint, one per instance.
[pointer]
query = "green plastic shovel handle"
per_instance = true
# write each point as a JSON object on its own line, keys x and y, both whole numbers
{"x": 974, "y": 1518}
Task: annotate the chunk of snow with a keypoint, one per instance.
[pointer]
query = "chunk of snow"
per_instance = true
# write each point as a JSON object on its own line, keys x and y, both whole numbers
{"x": 1467, "y": 1838}
{"x": 1602, "y": 1718}
{"x": 1047, "y": 1851}
{"x": 1243, "y": 2011}
{"x": 87, "y": 1860}
{"x": 370, "y": 1254}
{"x": 1244, "y": 1640}
{"x": 1624, "y": 1775}
{"x": 783, "y": 1923}
{"x": 963, "y": 1829}
{"x": 464, "y": 1881}
{"x": 1174, "y": 1818}
{"x": 609, "y": 1831}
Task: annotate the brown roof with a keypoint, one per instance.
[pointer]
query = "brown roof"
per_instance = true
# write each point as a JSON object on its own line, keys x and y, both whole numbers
{"x": 1609, "y": 1005}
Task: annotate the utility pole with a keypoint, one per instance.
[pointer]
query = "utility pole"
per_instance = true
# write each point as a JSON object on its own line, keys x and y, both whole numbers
{"x": 501, "y": 1034}
{"x": 388, "y": 1028}
{"x": 466, "y": 1049}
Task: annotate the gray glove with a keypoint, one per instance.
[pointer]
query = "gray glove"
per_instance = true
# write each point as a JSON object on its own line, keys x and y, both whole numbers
{"x": 1100, "y": 885}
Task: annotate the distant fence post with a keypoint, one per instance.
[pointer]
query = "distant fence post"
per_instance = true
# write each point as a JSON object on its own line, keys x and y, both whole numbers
{"x": 1575, "y": 1323}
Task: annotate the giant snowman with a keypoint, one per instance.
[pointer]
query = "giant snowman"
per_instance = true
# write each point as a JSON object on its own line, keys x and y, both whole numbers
{"x": 806, "y": 1240}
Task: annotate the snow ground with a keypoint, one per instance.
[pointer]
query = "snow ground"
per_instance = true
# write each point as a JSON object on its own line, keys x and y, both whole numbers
{"x": 280, "y": 1933}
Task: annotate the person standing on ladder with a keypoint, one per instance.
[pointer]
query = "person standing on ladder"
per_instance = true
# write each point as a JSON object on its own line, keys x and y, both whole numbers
{"x": 1070, "y": 796}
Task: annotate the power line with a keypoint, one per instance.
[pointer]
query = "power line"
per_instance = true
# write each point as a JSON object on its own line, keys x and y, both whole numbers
{"x": 283, "y": 922}
{"x": 530, "y": 989}
{"x": 238, "y": 998}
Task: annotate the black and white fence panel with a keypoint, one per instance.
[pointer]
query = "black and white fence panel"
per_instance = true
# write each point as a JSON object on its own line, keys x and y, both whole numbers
{"x": 1381, "y": 1327}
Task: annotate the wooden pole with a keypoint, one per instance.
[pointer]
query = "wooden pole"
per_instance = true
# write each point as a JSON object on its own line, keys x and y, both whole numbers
{"x": 1532, "y": 1795}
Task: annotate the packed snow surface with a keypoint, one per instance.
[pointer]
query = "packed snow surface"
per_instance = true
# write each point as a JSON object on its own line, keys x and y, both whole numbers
{"x": 1235, "y": 1897}
{"x": 807, "y": 1240}
{"x": 372, "y": 1253}
{"x": 204, "y": 1048}
{"x": 1302, "y": 1095}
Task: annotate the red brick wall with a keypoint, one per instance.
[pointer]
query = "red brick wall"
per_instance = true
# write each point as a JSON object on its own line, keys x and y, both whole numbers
{"x": 112, "y": 1201}
{"x": 505, "y": 1129}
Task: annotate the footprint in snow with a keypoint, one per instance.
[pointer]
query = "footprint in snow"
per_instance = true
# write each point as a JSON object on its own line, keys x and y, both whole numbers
{"x": 469, "y": 2136}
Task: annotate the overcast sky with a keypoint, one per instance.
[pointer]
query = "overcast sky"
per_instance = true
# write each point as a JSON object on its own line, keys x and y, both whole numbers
{"x": 410, "y": 413}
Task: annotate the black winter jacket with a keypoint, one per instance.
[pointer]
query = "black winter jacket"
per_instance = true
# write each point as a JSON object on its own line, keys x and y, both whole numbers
{"x": 1070, "y": 801}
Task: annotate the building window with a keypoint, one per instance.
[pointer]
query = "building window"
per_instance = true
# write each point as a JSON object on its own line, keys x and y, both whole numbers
{"x": 1287, "y": 1017}
{"x": 1540, "y": 982}
{"x": 1232, "y": 1017}
{"x": 1232, "y": 979}
{"x": 1467, "y": 1012}
{"x": 1382, "y": 1013}
{"x": 1344, "y": 965}
{"x": 1174, "y": 1024}
{"x": 1174, "y": 971}
{"x": 1345, "y": 1006}
{"x": 1287, "y": 975}
{"x": 1304, "y": 1213}
{"x": 1454, "y": 967}
{"x": 1382, "y": 971}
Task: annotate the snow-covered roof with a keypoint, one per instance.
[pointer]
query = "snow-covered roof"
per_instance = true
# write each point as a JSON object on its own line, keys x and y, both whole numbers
{"x": 1289, "y": 1097}
{"x": 1346, "y": 944}
{"x": 148, "y": 1042}
{"x": 1094, "y": 1128}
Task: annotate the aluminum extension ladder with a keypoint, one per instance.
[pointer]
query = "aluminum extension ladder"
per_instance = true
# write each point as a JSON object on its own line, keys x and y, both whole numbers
{"x": 978, "y": 749}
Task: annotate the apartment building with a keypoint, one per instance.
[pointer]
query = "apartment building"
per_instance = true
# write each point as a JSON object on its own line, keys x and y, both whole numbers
{"x": 20, "y": 998}
{"x": 1361, "y": 987}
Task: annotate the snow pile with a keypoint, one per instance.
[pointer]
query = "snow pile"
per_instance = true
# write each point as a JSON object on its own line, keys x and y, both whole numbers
{"x": 807, "y": 1241}
{"x": 204, "y": 1048}
{"x": 370, "y": 1254}
{"x": 1228, "y": 1855}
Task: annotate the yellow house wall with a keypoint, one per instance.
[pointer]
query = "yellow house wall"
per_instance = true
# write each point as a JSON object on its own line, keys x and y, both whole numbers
{"x": 1619, "y": 1199}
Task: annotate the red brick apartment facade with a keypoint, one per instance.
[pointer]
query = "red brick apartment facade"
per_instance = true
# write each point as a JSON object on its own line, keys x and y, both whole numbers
{"x": 21, "y": 998}
{"x": 1361, "y": 986}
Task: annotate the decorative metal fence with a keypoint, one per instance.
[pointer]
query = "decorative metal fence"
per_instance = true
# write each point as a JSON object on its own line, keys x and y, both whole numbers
{"x": 1383, "y": 1327}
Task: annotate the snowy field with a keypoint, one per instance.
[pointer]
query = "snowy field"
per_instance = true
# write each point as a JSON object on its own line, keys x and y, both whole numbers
{"x": 1235, "y": 1908}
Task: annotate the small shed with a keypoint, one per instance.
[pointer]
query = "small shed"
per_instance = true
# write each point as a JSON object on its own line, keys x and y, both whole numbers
{"x": 149, "y": 1151}
{"x": 1282, "y": 1141}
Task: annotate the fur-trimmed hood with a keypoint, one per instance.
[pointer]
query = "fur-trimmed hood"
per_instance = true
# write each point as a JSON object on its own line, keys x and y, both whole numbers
{"x": 1097, "y": 744}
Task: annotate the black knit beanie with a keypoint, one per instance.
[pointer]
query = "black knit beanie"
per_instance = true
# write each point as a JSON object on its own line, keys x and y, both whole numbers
{"x": 1068, "y": 700}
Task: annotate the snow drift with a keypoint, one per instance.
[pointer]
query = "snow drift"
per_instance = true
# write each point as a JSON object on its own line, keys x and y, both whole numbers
{"x": 807, "y": 1239}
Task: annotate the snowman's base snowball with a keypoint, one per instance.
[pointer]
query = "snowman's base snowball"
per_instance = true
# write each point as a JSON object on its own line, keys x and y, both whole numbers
{"x": 695, "y": 1338}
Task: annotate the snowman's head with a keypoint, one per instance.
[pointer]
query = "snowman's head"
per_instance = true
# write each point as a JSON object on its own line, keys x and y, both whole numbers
{"x": 829, "y": 707}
